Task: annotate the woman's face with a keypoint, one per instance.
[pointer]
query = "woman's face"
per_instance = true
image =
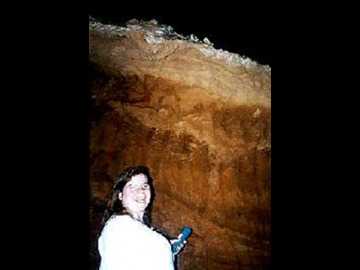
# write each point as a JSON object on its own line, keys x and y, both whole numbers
{"x": 136, "y": 194}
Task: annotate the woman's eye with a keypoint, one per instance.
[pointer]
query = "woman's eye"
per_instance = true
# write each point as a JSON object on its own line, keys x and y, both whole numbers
{"x": 146, "y": 186}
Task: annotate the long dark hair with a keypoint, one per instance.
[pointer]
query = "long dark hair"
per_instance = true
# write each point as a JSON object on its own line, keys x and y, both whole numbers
{"x": 115, "y": 206}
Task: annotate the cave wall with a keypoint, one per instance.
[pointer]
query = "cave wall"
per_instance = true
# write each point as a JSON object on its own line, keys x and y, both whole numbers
{"x": 200, "y": 119}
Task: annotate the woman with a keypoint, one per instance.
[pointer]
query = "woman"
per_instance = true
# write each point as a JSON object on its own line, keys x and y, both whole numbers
{"x": 127, "y": 241}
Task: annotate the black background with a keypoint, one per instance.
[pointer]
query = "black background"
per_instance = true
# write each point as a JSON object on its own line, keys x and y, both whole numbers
{"x": 45, "y": 103}
{"x": 45, "y": 119}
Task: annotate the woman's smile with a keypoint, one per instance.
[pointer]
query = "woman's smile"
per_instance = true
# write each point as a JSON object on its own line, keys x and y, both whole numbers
{"x": 136, "y": 194}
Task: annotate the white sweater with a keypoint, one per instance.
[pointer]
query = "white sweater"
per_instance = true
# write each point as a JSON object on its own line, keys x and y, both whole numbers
{"x": 128, "y": 244}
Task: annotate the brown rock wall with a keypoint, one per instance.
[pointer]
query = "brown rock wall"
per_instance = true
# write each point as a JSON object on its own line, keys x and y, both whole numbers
{"x": 203, "y": 127}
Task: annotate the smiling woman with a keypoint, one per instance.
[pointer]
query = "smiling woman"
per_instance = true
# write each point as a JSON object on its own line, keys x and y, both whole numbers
{"x": 136, "y": 196}
{"x": 127, "y": 241}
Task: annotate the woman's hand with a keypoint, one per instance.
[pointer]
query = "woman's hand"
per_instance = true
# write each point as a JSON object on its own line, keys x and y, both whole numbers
{"x": 181, "y": 246}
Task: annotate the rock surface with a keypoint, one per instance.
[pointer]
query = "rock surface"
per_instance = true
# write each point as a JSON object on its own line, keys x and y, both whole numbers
{"x": 200, "y": 119}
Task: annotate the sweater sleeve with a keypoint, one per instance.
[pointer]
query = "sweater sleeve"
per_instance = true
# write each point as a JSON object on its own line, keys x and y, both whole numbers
{"x": 128, "y": 244}
{"x": 116, "y": 245}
